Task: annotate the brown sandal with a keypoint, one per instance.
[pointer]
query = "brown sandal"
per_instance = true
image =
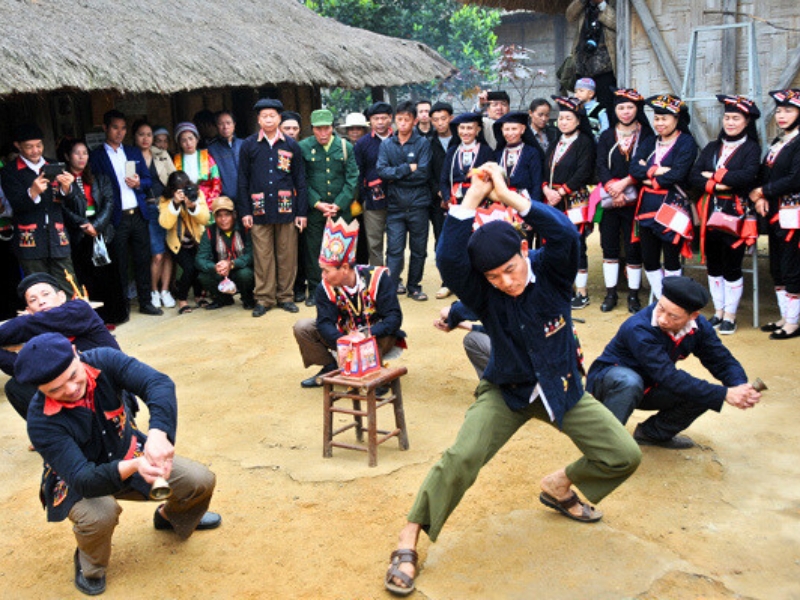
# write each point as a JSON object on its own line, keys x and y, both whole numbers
{"x": 399, "y": 557}
{"x": 589, "y": 514}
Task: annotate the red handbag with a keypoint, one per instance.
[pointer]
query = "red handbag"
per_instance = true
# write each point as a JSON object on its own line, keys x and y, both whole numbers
{"x": 675, "y": 218}
{"x": 724, "y": 222}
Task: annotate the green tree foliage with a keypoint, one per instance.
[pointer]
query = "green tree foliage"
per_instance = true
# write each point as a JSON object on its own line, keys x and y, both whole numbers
{"x": 462, "y": 34}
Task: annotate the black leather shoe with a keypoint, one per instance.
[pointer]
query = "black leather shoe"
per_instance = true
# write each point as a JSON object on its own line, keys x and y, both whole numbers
{"x": 248, "y": 304}
{"x": 679, "y": 442}
{"x": 634, "y": 304}
{"x": 300, "y": 296}
{"x": 259, "y": 310}
{"x": 312, "y": 382}
{"x": 210, "y": 520}
{"x": 149, "y": 309}
{"x": 289, "y": 307}
{"x": 609, "y": 302}
{"x": 89, "y": 586}
{"x": 310, "y": 301}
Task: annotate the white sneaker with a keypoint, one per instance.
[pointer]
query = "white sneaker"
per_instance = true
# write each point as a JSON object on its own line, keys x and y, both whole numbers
{"x": 167, "y": 300}
{"x": 155, "y": 299}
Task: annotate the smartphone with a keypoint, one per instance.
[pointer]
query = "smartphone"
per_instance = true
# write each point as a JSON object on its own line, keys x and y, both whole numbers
{"x": 53, "y": 170}
{"x": 130, "y": 168}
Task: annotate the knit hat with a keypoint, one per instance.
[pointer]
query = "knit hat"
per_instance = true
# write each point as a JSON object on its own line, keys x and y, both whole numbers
{"x": 33, "y": 279}
{"x": 265, "y": 103}
{"x": 685, "y": 292}
{"x": 587, "y": 83}
{"x": 321, "y": 118}
{"x": 43, "y": 358}
{"x": 186, "y": 126}
{"x": 339, "y": 243}
{"x": 492, "y": 245}
{"x": 160, "y": 131}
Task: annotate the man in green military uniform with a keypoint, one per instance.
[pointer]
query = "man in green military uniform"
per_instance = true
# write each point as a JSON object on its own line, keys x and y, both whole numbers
{"x": 331, "y": 177}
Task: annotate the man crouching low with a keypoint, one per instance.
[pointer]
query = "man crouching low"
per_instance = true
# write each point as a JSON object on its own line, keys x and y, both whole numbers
{"x": 522, "y": 298}
{"x": 94, "y": 454}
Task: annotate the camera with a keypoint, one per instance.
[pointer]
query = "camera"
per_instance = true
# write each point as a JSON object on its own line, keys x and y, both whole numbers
{"x": 593, "y": 30}
{"x": 190, "y": 191}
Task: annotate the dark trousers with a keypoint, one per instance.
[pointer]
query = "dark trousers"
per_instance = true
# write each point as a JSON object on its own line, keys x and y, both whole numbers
{"x": 102, "y": 283}
{"x": 19, "y": 396}
{"x": 57, "y": 267}
{"x": 723, "y": 261}
{"x": 784, "y": 261}
{"x": 132, "y": 240}
{"x": 652, "y": 246}
{"x": 616, "y": 223}
{"x": 185, "y": 259}
{"x": 300, "y": 278}
{"x": 621, "y": 390}
{"x": 411, "y": 225}
{"x": 10, "y": 275}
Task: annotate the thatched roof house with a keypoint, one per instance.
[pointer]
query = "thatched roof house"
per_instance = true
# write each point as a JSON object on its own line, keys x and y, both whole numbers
{"x": 167, "y": 46}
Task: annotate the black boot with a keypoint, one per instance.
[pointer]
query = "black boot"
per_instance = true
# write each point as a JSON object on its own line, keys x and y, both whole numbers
{"x": 634, "y": 305}
{"x": 610, "y": 301}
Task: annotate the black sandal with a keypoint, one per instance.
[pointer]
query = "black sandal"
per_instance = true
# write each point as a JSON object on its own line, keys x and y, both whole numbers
{"x": 770, "y": 327}
{"x": 399, "y": 557}
{"x": 782, "y": 334}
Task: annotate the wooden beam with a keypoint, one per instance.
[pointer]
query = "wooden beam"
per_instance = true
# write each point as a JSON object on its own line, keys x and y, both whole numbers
{"x": 728, "y": 48}
{"x": 623, "y": 67}
{"x": 664, "y": 58}
{"x": 786, "y": 79}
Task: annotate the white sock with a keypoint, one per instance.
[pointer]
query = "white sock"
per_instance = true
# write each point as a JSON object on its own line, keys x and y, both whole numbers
{"x": 718, "y": 288}
{"x": 677, "y": 273}
{"x": 611, "y": 273}
{"x": 634, "y": 278}
{"x": 733, "y": 295}
{"x": 581, "y": 279}
{"x": 655, "y": 277}
{"x": 792, "y": 309}
{"x": 781, "y": 295}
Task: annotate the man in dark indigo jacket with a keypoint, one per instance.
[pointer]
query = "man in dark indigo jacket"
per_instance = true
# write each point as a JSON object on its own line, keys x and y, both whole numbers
{"x": 94, "y": 454}
{"x": 637, "y": 369}
{"x": 522, "y": 298}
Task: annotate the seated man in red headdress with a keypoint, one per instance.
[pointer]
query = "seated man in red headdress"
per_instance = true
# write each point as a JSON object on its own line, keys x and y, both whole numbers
{"x": 351, "y": 298}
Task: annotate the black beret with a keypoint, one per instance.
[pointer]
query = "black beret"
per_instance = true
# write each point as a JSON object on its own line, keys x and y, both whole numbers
{"x": 290, "y": 115}
{"x": 498, "y": 95}
{"x": 43, "y": 358}
{"x": 685, "y": 292}
{"x": 492, "y": 245}
{"x": 268, "y": 103}
{"x": 34, "y": 278}
{"x": 27, "y": 131}
{"x": 446, "y": 106}
{"x": 379, "y": 108}
{"x": 515, "y": 116}
{"x": 467, "y": 117}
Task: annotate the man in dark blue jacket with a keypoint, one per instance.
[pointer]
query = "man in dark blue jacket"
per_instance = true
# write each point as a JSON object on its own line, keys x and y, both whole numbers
{"x": 404, "y": 163}
{"x": 94, "y": 454}
{"x": 225, "y": 152}
{"x": 523, "y": 300}
{"x": 130, "y": 186}
{"x": 47, "y": 310}
{"x": 637, "y": 368}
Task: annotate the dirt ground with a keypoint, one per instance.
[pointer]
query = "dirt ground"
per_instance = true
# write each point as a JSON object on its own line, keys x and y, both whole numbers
{"x": 718, "y": 521}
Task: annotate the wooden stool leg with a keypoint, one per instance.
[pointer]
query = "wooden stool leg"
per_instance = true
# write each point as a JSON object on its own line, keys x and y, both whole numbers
{"x": 372, "y": 429}
{"x": 399, "y": 414}
{"x": 359, "y": 421}
{"x": 327, "y": 422}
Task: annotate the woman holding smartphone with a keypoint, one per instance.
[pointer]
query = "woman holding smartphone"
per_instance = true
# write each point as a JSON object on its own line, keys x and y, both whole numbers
{"x": 101, "y": 282}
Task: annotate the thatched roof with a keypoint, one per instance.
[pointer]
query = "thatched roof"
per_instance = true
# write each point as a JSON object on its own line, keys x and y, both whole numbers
{"x": 550, "y": 7}
{"x": 166, "y": 46}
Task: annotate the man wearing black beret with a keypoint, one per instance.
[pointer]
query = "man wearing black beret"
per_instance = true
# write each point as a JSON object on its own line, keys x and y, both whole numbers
{"x": 522, "y": 298}
{"x": 637, "y": 368}
{"x": 94, "y": 454}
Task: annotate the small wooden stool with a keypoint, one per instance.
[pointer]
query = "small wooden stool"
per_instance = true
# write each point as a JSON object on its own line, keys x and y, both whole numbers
{"x": 358, "y": 390}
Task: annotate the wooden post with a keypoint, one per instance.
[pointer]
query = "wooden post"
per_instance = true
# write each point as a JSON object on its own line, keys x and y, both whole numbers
{"x": 623, "y": 67}
{"x": 728, "y": 47}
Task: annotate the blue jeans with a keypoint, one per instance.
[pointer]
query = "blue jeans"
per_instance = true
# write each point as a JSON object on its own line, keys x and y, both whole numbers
{"x": 621, "y": 390}
{"x": 411, "y": 223}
